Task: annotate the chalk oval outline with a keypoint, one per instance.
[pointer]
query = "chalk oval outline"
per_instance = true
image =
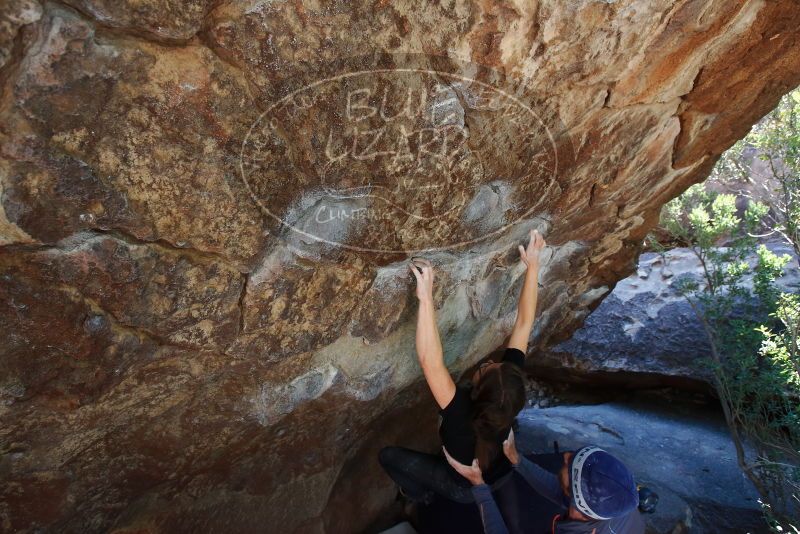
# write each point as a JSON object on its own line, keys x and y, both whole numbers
{"x": 432, "y": 72}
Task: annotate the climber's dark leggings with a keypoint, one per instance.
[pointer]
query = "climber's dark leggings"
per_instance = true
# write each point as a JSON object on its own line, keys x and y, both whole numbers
{"x": 420, "y": 474}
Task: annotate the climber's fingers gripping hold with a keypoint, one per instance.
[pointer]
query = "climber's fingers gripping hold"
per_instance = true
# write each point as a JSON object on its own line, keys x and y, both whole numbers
{"x": 423, "y": 272}
{"x": 530, "y": 255}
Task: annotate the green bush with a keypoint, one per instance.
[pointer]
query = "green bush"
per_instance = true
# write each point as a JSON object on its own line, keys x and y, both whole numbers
{"x": 753, "y": 332}
{"x": 775, "y": 141}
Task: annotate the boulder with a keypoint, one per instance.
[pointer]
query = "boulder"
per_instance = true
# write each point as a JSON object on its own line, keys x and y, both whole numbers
{"x": 645, "y": 334}
{"x": 207, "y": 207}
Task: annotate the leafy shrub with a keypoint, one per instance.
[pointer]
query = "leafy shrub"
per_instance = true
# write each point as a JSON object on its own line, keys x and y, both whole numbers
{"x": 753, "y": 332}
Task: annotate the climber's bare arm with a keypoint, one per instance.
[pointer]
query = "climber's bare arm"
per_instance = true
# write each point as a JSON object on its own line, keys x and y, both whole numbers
{"x": 429, "y": 346}
{"x": 526, "y": 311}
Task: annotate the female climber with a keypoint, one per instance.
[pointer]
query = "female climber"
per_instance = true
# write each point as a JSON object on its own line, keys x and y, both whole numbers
{"x": 477, "y": 415}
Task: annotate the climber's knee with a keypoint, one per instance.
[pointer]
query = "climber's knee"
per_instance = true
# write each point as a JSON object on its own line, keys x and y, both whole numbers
{"x": 388, "y": 456}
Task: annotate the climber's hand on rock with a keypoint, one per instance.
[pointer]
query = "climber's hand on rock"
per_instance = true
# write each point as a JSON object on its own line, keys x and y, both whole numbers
{"x": 530, "y": 255}
{"x": 470, "y": 472}
{"x": 510, "y": 448}
{"x": 423, "y": 272}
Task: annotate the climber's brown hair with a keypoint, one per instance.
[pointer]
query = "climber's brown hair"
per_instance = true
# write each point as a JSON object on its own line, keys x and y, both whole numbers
{"x": 497, "y": 398}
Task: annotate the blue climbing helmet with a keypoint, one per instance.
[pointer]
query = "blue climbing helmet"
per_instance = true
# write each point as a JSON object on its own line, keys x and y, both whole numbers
{"x": 602, "y": 487}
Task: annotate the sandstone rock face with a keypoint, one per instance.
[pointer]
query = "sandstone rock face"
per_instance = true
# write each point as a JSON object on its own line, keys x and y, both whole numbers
{"x": 206, "y": 209}
{"x": 645, "y": 334}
